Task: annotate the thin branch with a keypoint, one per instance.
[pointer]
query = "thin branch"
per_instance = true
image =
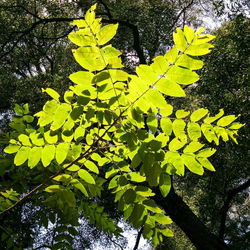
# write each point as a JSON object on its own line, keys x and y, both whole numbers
{"x": 136, "y": 35}
{"x": 115, "y": 243}
{"x": 21, "y": 7}
{"x": 106, "y": 8}
{"x": 42, "y": 246}
{"x": 181, "y": 12}
{"x": 138, "y": 239}
{"x": 231, "y": 194}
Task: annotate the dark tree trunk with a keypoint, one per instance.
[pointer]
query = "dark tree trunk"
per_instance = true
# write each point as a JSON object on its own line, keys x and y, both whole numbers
{"x": 182, "y": 215}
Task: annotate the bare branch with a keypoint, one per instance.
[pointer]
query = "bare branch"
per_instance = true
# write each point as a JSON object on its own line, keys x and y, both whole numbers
{"x": 138, "y": 239}
{"x": 231, "y": 194}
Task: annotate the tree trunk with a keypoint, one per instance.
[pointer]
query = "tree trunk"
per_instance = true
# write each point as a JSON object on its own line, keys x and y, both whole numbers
{"x": 182, "y": 215}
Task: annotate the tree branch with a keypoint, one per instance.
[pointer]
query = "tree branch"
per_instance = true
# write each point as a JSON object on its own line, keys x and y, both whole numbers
{"x": 138, "y": 239}
{"x": 231, "y": 194}
{"x": 190, "y": 224}
{"x": 182, "y": 11}
{"x": 136, "y": 35}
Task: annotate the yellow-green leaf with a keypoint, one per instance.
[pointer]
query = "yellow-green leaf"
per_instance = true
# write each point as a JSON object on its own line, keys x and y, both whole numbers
{"x": 34, "y": 156}
{"x": 48, "y": 154}
{"x": 191, "y": 163}
{"x": 12, "y": 148}
{"x": 86, "y": 176}
{"x": 198, "y": 114}
{"x": 189, "y": 62}
{"x": 91, "y": 166}
{"x": 226, "y": 120}
{"x": 181, "y": 113}
{"x": 169, "y": 88}
{"x": 180, "y": 40}
{"x": 182, "y": 75}
{"x": 61, "y": 152}
{"x": 21, "y": 156}
{"x": 199, "y": 50}
{"x": 52, "y": 93}
{"x": 189, "y": 33}
{"x": 106, "y": 33}
{"x": 162, "y": 219}
{"x": 172, "y": 54}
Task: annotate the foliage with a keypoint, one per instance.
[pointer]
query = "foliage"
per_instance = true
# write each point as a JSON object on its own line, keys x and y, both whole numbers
{"x": 110, "y": 117}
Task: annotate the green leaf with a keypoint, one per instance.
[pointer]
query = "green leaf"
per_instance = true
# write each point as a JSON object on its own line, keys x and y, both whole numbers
{"x": 136, "y": 177}
{"x": 209, "y": 133}
{"x": 211, "y": 119}
{"x": 203, "y": 39}
{"x": 182, "y": 75}
{"x": 165, "y": 184}
{"x": 192, "y": 164}
{"x": 177, "y": 143}
{"x": 52, "y": 93}
{"x": 106, "y": 33}
{"x": 226, "y": 120}
{"x": 79, "y": 133}
{"x": 91, "y": 166}
{"x": 198, "y": 114}
{"x": 167, "y": 232}
{"x": 63, "y": 178}
{"x": 181, "y": 113}
{"x": 26, "y": 109}
{"x": 19, "y": 111}
{"x": 81, "y": 39}
{"x": 22, "y": 155}
{"x": 51, "y": 137}
{"x": 189, "y": 62}
{"x": 162, "y": 219}
{"x": 129, "y": 196}
{"x": 34, "y": 156}
{"x": 207, "y": 152}
{"x": 150, "y": 205}
{"x": 166, "y": 126}
{"x": 77, "y": 184}
{"x": 82, "y": 77}
{"x": 89, "y": 58}
{"x": 189, "y": 33}
{"x": 147, "y": 74}
{"x": 53, "y": 188}
{"x": 90, "y": 15}
{"x": 62, "y": 150}
{"x": 61, "y": 115}
{"x": 179, "y": 128}
{"x": 159, "y": 65}
{"x": 206, "y": 163}
{"x": 28, "y": 118}
{"x": 152, "y": 123}
{"x": 144, "y": 191}
{"x": 48, "y": 154}
{"x": 180, "y": 40}
{"x": 167, "y": 110}
{"x": 193, "y": 147}
{"x": 86, "y": 176}
{"x": 154, "y": 97}
{"x": 24, "y": 139}
{"x": 169, "y": 88}
{"x": 172, "y": 54}
{"x": 12, "y": 148}
{"x": 198, "y": 50}
{"x": 37, "y": 139}
{"x": 109, "y": 52}
{"x": 221, "y": 132}
{"x": 236, "y": 125}
{"x": 194, "y": 131}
